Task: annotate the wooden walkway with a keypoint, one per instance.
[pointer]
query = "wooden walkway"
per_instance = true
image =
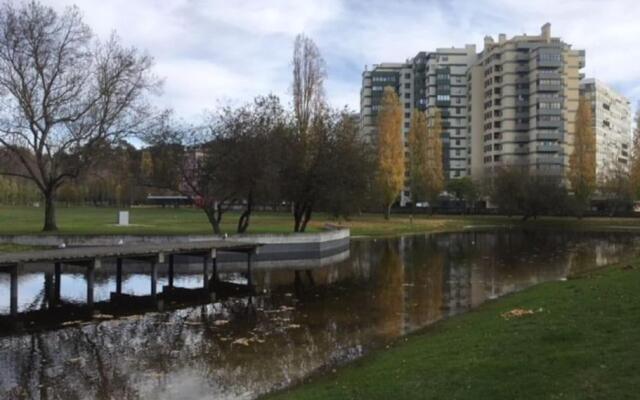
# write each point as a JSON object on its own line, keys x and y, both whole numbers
{"x": 91, "y": 258}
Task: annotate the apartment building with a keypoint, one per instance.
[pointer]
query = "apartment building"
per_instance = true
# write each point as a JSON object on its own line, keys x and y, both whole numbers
{"x": 523, "y": 99}
{"x": 424, "y": 82}
{"x": 612, "y": 127}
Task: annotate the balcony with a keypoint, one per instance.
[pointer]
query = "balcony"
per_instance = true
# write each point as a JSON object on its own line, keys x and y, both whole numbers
{"x": 549, "y": 75}
{"x": 549, "y": 159}
{"x": 548, "y": 63}
{"x": 549, "y": 124}
{"x": 521, "y": 151}
{"x": 549, "y": 88}
{"x": 550, "y": 136}
{"x": 554, "y": 148}
{"x": 549, "y": 111}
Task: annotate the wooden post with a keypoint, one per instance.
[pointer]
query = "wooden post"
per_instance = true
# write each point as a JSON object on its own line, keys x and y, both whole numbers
{"x": 205, "y": 271}
{"x": 57, "y": 283}
{"x": 14, "y": 290}
{"x": 171, "y": 270}
{"x": 91, "y": 277}
{"x": 249, "y": 280}
{"x": 119, "y": 275}
{"x": 214, "y": 258}
{"x": 154, "y": 277}
{"x": 49, "y": 289}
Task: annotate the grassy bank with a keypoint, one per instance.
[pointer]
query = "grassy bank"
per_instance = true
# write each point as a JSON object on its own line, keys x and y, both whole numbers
{"x": 12, "y": 248}
{"x": 172, "y": 221}
{"x": 581, "y": 342}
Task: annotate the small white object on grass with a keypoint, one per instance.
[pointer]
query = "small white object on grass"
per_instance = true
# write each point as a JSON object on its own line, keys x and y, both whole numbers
{"x": 62, "y": 245}
{"x": 123, "y": 218}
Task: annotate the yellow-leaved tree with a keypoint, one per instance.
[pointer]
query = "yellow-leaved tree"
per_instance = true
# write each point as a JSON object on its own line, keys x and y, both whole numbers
{"x": 390, "y": 177}
{"x": 435, "y": 170}
{"x": 418, "y": 155}
{"x": 582, "y": 163}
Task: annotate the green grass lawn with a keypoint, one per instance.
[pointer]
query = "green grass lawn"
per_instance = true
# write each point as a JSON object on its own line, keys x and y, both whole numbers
{"x": 582, "y": 342}
{"x": 177, "y": 221}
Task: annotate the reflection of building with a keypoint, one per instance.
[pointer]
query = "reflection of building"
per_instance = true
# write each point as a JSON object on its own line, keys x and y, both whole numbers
{"x": 457, "y": 288}
{"x": 612, "y": 125}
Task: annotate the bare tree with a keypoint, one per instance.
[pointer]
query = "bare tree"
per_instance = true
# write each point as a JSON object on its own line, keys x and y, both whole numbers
{"x": 308, "y": 106}
{"x": 191, "y": 160}
{"x": 309, "y": 74}
{"x": 64, "y": 95}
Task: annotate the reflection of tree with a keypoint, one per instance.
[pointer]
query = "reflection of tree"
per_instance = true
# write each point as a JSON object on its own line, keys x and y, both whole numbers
{"x": 388, "y": 292}
{"x": 425, "y": 269}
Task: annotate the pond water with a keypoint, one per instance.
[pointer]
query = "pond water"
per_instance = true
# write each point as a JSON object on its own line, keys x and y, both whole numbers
{"x": 302, "y": 322}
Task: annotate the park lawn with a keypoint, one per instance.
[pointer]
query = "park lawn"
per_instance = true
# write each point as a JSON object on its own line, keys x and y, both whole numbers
{"x": 182, "y": 221}
{"x": 177, "y": 221}
{"x": 582, "y": 342}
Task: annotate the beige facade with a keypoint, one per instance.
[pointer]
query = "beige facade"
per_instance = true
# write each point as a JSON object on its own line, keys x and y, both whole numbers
{"x": 511, "y": 105}
{"x": 612, "y": 127}
{"x": 528, "y": 99}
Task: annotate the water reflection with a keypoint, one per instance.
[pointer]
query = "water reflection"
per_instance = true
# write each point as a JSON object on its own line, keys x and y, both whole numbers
{"x": 300, "y": 323}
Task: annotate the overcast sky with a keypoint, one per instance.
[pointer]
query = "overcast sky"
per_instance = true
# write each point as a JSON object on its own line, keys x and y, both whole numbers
{"x": 210, "y": 51}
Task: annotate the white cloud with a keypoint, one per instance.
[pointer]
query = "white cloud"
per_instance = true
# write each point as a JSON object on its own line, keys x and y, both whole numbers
{"x": 215, "y": 49}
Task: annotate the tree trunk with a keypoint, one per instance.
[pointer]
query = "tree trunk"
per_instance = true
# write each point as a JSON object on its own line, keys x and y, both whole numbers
{"x": 387, "y": 211}
{"x": 214, "y": 220}
{"x": 306, "y": 217}
{"x": 245, "y": 218}
{"x": 297, "y": 216}
{"x": 50, "y": 224}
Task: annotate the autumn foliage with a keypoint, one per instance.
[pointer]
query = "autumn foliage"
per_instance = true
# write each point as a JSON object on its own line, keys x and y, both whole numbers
{"x": 391, "y": 166}
{"x": 582, "y": 163}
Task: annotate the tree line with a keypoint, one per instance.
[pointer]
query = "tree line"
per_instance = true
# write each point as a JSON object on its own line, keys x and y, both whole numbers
{"x": 70, "y": 104}
{"x": 71, "y": 101}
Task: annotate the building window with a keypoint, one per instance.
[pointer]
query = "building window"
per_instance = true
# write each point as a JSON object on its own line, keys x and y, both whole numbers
{"x": 407, "y": 95}
{"x": 407, "y": 86}
{"x": 550, "y": 57}
{"x": 407, "y": 115}
{"x": 407, "y": 105}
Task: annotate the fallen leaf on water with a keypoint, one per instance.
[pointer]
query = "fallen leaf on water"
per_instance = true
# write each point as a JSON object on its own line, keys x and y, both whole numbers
{"x": 293, "y": 326}
{"x": 71, "y": 323}
{"x": 241, "y": 341}
{"x": 220, "y": 322}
